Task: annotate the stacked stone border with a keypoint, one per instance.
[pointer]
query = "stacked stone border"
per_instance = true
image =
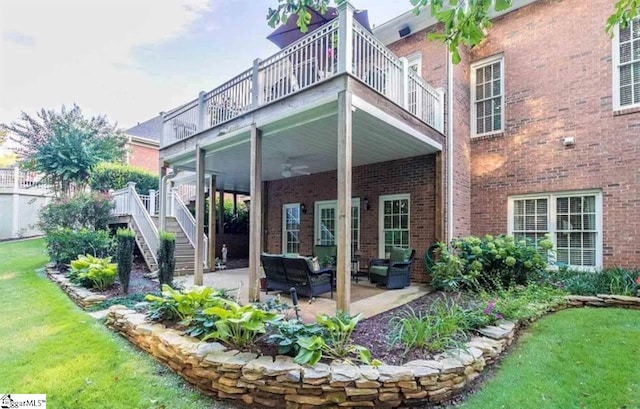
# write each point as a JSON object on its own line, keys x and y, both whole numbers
{"x": 83, "y": 297}
{"x": 278, "y": 382}
{"x": 604, "y": 300}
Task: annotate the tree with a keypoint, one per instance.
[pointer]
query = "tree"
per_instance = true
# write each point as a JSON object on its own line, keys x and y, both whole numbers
{"x": 464, "y": 21}
{"x": 66, "y": 146}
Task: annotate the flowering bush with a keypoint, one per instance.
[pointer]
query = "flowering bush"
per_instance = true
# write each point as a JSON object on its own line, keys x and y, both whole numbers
{"x": 476, "y": 263}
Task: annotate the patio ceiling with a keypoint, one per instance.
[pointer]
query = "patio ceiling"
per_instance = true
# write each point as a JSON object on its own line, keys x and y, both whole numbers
{"x": 310, "y": 138}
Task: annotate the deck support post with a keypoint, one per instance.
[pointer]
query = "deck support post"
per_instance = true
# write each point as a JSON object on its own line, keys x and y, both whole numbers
{"x": 255, "y": 213}
{"x": 220, "y": 210}
{"x": 198, "y": 265}
{"x": 343, "y": 228}
{"x": 212, "y": 223}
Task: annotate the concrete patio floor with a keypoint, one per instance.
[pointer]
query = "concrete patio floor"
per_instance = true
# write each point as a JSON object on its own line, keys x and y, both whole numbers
{"x": 384, "y": 300}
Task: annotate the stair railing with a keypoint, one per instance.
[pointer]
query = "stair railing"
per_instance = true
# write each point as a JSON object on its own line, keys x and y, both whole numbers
{"x": 188, "y": 224}
{"x": 144, "y": 222}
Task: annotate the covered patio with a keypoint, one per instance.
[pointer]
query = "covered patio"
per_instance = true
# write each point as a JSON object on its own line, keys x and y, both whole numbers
{"x": 367, "y": 299}
{"x": 340, "y": 130}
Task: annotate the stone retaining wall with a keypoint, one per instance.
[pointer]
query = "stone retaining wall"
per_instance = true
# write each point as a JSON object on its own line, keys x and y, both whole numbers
{"x": 265, "y": 381}
{"x": 80, "y": 295}
{"x": 604, "y": 300}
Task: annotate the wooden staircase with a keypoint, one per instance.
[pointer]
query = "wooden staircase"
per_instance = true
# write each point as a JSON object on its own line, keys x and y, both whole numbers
{"x": 185, "y": 252}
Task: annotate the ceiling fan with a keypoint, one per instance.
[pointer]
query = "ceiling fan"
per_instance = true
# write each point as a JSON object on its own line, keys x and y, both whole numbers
{"x": 289, "y": 170}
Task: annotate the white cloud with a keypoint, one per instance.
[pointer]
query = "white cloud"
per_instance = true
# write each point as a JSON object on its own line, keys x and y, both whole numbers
{"x": 55, "y": 52}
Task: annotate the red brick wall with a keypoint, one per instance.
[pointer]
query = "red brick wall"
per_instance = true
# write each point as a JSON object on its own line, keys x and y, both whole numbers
{"x": 434, "y": 71}
{"x": 414, "y": 176}
{"x": 558, "y": 84}
{"x": 145, "y": 157}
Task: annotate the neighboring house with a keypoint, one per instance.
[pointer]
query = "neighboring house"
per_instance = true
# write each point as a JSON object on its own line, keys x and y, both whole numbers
{"x": 143, "y": 144}
{"x": 541, "y": 136}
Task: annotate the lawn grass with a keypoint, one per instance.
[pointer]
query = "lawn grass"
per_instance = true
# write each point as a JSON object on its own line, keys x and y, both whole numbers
{"x": 578, "y": 358}
{"x": 48, "y": 345}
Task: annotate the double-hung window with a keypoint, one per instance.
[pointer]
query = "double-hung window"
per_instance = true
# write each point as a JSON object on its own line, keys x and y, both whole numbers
{"x": 573, "y": 220}
{"x": 626, "y": 58}
{"x": 487, "y": 96}
{"x": 291, "y": 228}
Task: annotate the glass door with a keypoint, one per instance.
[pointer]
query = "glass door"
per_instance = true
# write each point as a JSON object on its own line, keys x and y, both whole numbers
{"x": 326, "y": 214}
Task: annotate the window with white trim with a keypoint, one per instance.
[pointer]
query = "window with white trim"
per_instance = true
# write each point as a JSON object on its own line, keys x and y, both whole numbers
{"x": 487, "y": 96}
{"x": 291, "y": 228}
{"x": 627, "y": 66}
{"x": 394, "y": 222}
{"x": 574, "y": 221}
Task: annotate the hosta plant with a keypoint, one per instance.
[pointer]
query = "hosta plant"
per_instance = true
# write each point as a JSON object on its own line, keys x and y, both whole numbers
{"x": 335, "y": 344}
{"x": 93, "y": 272}
{"x": 286, "y": 334}
{"x": 238, "y": 325}
{"x": 183, "y": 305}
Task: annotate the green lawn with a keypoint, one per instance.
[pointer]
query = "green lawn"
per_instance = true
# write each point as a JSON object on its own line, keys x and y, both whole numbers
{"x": 578, "y": 358}
{"x": 48, "y": 345}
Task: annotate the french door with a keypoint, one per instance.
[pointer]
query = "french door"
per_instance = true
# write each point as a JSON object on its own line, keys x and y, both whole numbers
{"x": 326, "y": 218}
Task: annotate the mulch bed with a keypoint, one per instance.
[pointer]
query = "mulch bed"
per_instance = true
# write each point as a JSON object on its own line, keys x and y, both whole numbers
{"x": 138, "y": 284}
{"x": 374, "y": 333}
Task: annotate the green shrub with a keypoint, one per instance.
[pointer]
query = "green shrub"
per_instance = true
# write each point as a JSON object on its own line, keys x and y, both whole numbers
{"x": 335, "y": 343}
{"x": 615, "y": 280}
{"x": 183, "y": 305}
{"x": 482, "y": 263}
{"x": 65, "y": 244}
{"x": 236, "y": 325}
{"x": 520, "y": 302}
{"x": 435, "y": 329}
{"x": 126, "y": 239}
{"x": 85, "y": 211}
{"x": 93, "y": 272}
{"x": 166, "y": 258}
{"x": 115, "y": 176}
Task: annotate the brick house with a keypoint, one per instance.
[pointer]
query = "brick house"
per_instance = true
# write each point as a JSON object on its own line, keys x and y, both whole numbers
{"x": 383, "y": 142}
{"x": 144, "y": 143}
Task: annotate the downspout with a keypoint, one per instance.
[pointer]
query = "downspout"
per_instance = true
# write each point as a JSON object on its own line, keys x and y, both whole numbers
{"x": 163, "y": 199}
{"x": 449, "y": 147}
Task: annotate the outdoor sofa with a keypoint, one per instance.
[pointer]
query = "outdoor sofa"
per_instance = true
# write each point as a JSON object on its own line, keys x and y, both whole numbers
{"x": 285, "y": 271}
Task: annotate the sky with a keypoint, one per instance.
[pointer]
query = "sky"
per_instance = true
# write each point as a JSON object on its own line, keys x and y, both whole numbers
{"x": 131, "y": 59}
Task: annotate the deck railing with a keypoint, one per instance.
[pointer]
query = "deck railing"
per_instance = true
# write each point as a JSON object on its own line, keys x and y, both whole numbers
{"x": 14, "y": 178}
{"x": 338, "y": 47}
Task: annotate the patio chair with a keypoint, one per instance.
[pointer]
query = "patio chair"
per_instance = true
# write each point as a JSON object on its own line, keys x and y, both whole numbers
{"x": 394, "y": 272}
{"x": 308, "y": 283}
{"x": 274, "y": 272}
{"x": 324, "y": 253}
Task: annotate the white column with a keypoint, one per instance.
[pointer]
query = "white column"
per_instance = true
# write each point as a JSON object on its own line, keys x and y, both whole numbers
{"x": 132, "y": 191}
{"x": 405, "y": 82}
{"x": 345, "y": 37}
{"x": 343, "y": 228}
{"x": 15, "y": 214}
{"x": 200, "y": 124}
{"x": 198, "y": 265}
{"x": 152, "y": 202}
{"x": 256, "y": 84}
{"x": 255, "y": 213}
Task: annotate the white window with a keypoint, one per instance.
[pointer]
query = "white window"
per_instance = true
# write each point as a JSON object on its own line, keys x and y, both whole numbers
{"x": 574, "y": 221}
{"x": 326, "y": 213}
{"x": 487, "y": 96}
{"x": 393, "y": 222}
{"x": 626, "y": 72}
{"x": 291, "y": 228}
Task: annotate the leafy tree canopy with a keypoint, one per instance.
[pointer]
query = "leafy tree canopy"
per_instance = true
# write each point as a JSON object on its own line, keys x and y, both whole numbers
{"x": 464, "y": 21}
{"x": 65, "y": 146}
